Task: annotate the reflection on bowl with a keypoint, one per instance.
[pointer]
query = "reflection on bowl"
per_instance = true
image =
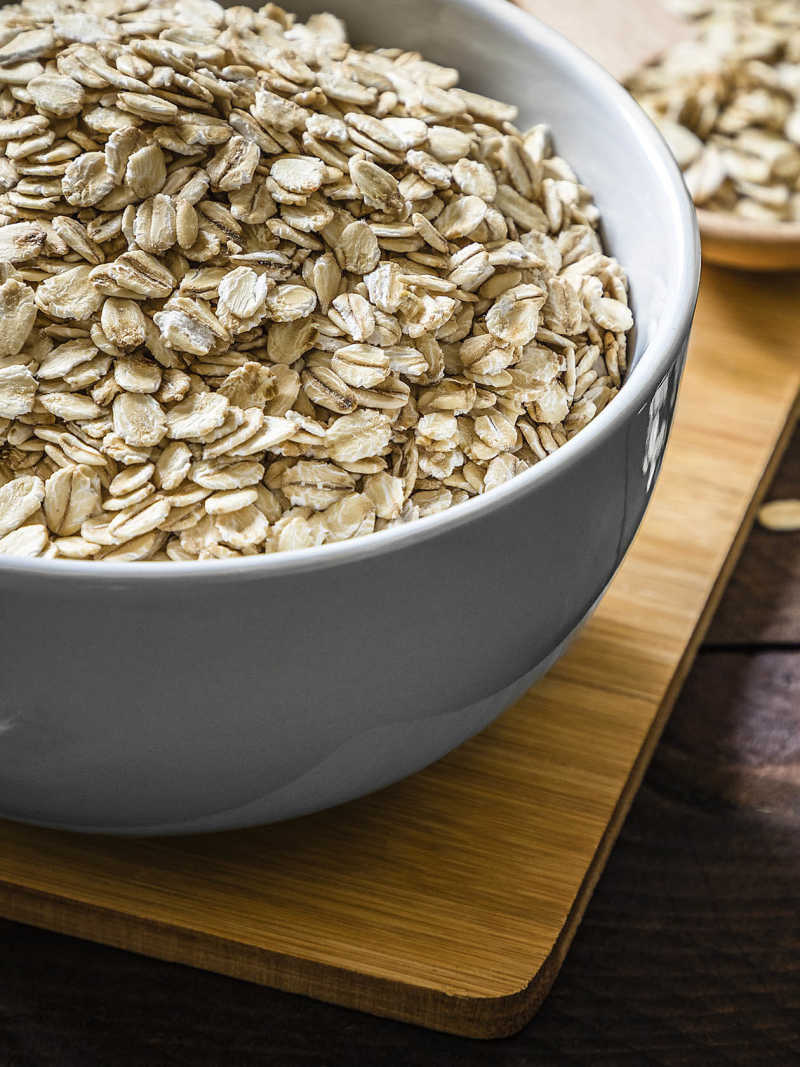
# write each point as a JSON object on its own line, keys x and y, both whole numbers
{"x": 186, "y": 697}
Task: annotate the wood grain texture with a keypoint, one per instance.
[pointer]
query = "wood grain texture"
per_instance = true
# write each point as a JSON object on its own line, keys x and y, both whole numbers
{"x": 649, "y": 29}
{"x": 748, "y": 245}
{"x": 687, "y": 954}
{"x": 451, "y": 898}
{"x": 745, "y": 748}
{"x": 761, "y": 605}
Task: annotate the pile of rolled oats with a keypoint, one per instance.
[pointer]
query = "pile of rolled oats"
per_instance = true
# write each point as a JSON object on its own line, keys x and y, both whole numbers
{"x": 728, "y": 104}
{"x": 260, "y": 290}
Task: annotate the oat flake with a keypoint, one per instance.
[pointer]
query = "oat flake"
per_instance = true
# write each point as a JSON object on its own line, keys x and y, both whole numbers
{"x": 261, "y": 290}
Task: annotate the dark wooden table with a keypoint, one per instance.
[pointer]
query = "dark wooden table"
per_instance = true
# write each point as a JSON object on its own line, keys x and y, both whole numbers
{"x": 689, "y": 953}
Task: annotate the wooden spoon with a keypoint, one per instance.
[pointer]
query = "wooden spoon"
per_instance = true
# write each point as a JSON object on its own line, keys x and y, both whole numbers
{"x": 622, "y": 36}
{"x": 735, "y": 242}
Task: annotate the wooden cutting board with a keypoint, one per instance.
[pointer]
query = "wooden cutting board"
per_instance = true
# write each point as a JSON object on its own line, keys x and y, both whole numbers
{"x": 450, "y": 900}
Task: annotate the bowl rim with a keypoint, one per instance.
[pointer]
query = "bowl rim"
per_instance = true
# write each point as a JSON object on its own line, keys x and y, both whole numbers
{"x": 725, "y": 226}
{"x": 670, "y": 334}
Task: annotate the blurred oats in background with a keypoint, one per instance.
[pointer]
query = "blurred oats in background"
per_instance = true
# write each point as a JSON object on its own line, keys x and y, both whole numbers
{"x": 728, "y": 102}
{"x": 721, "y": 79}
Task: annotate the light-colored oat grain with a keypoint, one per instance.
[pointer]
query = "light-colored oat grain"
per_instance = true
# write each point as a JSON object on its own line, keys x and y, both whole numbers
{"x": 780, "y": 515}
{"x": 261, "y": 290}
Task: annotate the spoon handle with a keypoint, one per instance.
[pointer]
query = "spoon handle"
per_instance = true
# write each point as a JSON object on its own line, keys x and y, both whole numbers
{"x": 620, "y": 34}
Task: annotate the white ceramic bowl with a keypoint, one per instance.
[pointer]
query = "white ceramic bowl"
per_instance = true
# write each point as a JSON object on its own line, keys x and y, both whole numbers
{"x": 174, "y": 697}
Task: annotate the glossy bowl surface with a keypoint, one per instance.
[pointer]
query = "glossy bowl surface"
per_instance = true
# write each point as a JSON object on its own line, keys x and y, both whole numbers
{"x": 178, "y": 697}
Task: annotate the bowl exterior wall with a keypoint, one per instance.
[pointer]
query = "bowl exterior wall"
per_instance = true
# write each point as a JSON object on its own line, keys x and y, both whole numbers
{"x": 142, "y": 705}
{"x": 153, "y": 707}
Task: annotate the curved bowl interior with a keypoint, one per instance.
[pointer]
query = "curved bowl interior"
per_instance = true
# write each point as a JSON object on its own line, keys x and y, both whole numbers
{"x": 648, "y": 223}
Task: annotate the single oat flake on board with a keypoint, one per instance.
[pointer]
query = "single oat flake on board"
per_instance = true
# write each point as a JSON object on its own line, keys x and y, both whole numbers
{"x": 780, "y": 515}
{"x": 261, "y": 290}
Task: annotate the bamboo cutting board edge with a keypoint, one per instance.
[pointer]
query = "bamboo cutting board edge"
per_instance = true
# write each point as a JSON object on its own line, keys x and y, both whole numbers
{"x": 541, "y": 984}
{"x": 481, "y": 1017}
{"x": 35, "y": 895}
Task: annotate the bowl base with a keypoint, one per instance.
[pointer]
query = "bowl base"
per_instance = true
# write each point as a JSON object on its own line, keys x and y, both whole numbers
{"x": 365, "y": 763}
